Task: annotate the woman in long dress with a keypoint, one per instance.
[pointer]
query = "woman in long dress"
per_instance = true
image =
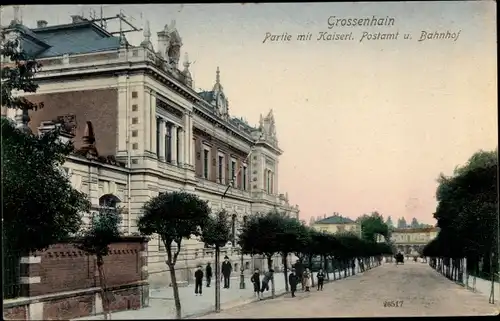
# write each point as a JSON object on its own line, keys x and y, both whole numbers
{"x": 307, "y": 279}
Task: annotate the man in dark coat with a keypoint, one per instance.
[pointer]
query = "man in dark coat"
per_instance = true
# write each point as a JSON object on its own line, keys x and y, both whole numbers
{"x": 198, "y": 281}
{"x": 293, "y": 280}
{"x": 299, "y": 270}
{"x": 208, "y": 274}
{"x": 226, "y": 271}
{"x": 265, "y": 281}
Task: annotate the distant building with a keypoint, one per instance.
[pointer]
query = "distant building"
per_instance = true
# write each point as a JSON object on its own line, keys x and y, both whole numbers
{"x": 412, "y": 240}
{"x": 335, "y": 224}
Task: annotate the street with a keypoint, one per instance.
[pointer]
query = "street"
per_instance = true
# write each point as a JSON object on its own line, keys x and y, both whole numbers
{"x": 161, "y": 302}
{"x": 413, "y": 289}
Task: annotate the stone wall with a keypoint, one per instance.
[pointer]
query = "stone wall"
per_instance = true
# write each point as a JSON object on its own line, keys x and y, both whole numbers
{"x": 63, "y": 282}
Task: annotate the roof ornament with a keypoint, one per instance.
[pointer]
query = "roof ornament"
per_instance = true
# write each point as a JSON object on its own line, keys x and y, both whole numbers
{"x": 17, "y": 15}
{"x": 217, "y": 76}
{"x": 146, "y": 43}
{"x": 186, "y": 72}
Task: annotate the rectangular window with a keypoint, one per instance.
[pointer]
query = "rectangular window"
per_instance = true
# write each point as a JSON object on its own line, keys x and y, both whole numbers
{"x": 205, "y": 163}
{"x": 233, "y": 173}
{"x": 158, "y": 136}
{"x": 168, "y": 144}
{"x": 244, "y": 178}
{"x": 220, "y": 172}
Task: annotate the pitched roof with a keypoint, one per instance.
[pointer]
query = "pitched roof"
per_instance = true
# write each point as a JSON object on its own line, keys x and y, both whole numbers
{"x": 335, "y": 219}
{"x": 75, "y": 38}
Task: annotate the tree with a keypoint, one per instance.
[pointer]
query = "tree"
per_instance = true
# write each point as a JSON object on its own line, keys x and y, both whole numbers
{"x": 95, "y": 240}
{"x": 290, "y": 234}
{"x": 216, "y": 233}
{"x": 40, "y": 207}
{"x": 18, "y": 74}
{"x": 174, "y": 216}
{"x": 258, "y": 236}
{"x": 372, "y": 226}
{"x": 414, "y": 223}
{"x": 402, "y": 223}
{"x": 388, "y": 222}
{"x": 467, "y": 216}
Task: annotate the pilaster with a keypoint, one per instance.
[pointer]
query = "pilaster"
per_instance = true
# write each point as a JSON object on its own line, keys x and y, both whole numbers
{"x": 152, "y": 115}
{"x": 163, "y": 132}
{"x": 123, "y": 115}
{"x": 173, "y": 132}
{"x": 182, "y": 141}
{"x": 147, "y": 110}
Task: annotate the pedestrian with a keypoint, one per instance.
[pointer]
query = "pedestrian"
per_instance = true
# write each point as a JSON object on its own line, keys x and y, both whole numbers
{"x": 306, "y": 277}
{"x": 226, "y": 271}
{"x": 198, "y": 281}
{"x": 321, "y": 279}
{"x": 299, "y": 270}
{"x": 265, "y": 282}
{"x": 208, "y": 274}
{"x": 255, "y": 279}
{"x": 293, "y": 280}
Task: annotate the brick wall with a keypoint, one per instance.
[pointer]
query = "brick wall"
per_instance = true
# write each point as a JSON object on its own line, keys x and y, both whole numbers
{"x": 62, "y": 282}
{"x": 100, "y": 106}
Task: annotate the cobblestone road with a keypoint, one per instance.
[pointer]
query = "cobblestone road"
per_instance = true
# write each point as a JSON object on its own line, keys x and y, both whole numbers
{"x": 422, "y": 291}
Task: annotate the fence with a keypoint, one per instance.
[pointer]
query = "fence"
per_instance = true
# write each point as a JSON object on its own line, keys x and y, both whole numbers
{"x": 11, "y": 274}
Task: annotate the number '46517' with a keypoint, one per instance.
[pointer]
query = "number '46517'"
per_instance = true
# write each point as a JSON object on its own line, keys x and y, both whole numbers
{"x": 393, "y": 304}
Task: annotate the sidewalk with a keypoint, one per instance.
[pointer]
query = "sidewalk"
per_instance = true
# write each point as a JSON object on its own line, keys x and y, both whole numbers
{"x": 484, "y": 288}
{"x": 161, "y": 301}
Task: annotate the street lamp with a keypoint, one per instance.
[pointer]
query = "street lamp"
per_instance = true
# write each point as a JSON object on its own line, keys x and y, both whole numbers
{"x": 242, "y": 265}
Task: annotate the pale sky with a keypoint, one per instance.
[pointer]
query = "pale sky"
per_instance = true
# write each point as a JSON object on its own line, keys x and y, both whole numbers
{"x": 364, "y": 126}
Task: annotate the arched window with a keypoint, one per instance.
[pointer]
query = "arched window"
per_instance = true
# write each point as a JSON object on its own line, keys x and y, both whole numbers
{"x": 109, "y": 201}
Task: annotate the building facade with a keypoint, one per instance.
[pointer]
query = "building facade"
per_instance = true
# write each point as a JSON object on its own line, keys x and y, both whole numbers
{"x": 337, "y": 224}
{"x": 139, "y": 128}
{"x": 411, "y": 241}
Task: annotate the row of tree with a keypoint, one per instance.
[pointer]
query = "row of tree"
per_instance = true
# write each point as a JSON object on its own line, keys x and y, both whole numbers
{"x": 179, "y": 215}
{"x": 467, "y": 215}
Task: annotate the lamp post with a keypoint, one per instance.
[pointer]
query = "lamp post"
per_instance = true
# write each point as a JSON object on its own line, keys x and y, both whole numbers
{"x": 242, "y": 270}
{"x": 242, "y": 265}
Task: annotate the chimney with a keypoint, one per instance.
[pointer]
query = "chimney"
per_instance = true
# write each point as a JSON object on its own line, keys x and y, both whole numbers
{"x": 77, "y": 19}
{"x": 47, "y": 126}
{"x": 41, "y": 24}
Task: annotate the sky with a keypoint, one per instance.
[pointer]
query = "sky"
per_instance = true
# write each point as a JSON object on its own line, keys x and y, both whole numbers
{"x": 365, "y": 125}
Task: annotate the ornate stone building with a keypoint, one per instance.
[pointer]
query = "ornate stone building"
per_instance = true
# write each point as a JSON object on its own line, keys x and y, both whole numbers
{"x": 140, "y": 128}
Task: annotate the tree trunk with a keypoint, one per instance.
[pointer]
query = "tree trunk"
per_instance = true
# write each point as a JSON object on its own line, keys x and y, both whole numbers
{"x": 285, "y": 270}
{"x": 173, "y": 278}
{"x": 325, "y": 259}
{"x": 270, "y": 266}
{"x": 217, "y": 279}
{"x": 344, "y": 268}
{"x": 334, "y": 269}
{"x": 102, "y": 283}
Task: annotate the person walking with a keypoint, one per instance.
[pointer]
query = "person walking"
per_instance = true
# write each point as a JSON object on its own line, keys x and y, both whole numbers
{"x": 208, "y": 274}
{"x": 198, "y": 281}
{"x": 255, "y": 279}
{"x": 226, "y": 271}
{"x": 307, "y": 279}
{"x": 265, "y": 282}
{"x": 293, "y": 280}
{"x": 299, "y": 271}
{"x": 321, "y": 279}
